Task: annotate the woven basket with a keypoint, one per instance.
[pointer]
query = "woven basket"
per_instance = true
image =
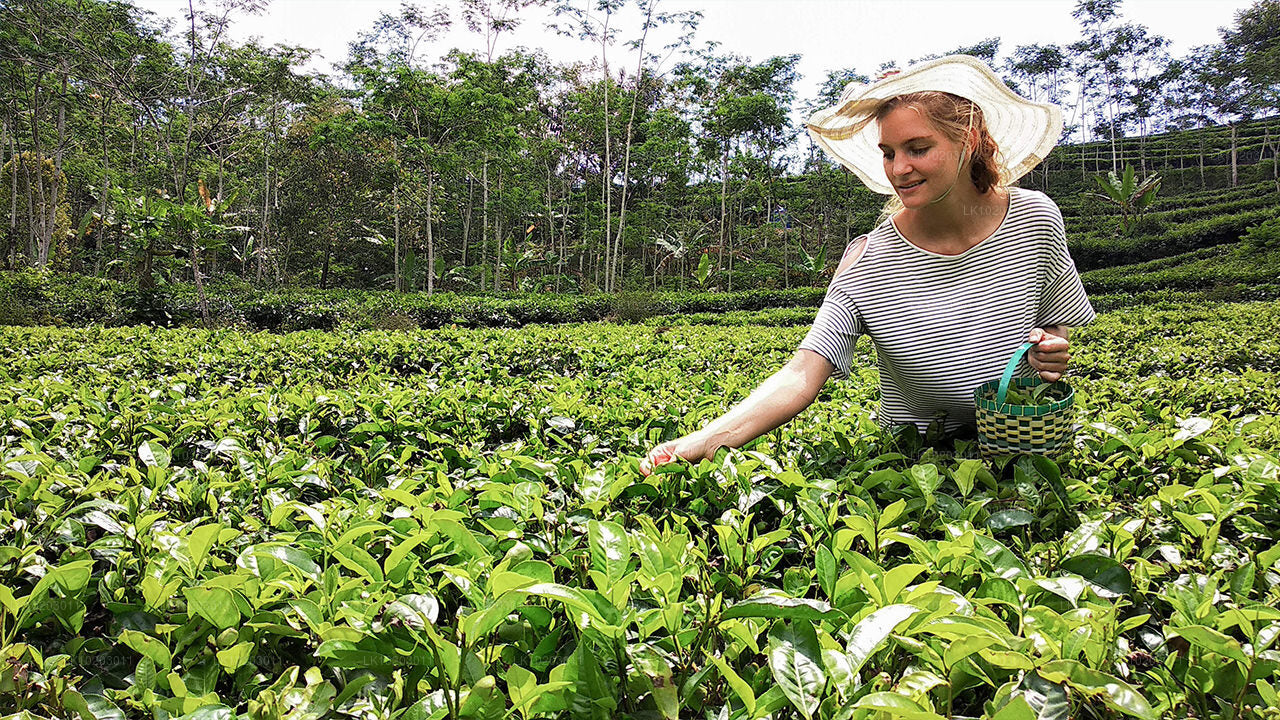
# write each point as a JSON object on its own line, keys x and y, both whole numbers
{"x": 1007, "y": 428}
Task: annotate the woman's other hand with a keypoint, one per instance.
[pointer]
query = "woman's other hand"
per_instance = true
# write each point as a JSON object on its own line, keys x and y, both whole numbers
{"x": 1049, "y": 354}
{"x": 691, "y": 447}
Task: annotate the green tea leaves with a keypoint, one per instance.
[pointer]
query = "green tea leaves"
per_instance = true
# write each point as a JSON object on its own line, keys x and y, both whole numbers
{"x": 795, "y": 660}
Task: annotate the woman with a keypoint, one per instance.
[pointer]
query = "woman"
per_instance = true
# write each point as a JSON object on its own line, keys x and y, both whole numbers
{"x": 962, "y": 270}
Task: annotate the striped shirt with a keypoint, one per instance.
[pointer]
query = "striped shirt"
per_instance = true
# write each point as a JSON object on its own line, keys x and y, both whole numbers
{"x": 944, "y": 324}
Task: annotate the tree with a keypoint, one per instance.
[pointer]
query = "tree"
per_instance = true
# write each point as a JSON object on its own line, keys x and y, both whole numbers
{"x": 985, "y": 50}
{"x": 1041, "y": 70}
{"x": 689, "y": 21}
{"x": 331, "y": 161}
{"x": 46, "y": 225}
{"x": 405, "y": 106}
{"x": 1124, "y": 57}
{"x": 1254, "y": 42}
{"x": 743, "y": 114}
{"x": 596, "y": 26}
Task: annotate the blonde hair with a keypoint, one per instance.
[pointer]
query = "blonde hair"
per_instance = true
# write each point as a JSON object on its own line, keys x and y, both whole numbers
{"x": 956, "y": 118}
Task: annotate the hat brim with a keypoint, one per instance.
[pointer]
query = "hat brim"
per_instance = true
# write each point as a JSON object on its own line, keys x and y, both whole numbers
{"x": 1024, "y": 131}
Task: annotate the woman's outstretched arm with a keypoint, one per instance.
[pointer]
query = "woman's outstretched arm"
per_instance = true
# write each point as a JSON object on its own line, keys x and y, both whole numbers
{"x": 772, "y": 404}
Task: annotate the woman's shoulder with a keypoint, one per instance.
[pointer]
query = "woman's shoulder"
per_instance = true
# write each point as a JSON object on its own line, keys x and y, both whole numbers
{"x": 1033, "y": 201}
{"x": 1037, "y": 218}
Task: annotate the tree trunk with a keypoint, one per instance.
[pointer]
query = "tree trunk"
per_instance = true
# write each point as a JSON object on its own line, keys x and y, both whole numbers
{"x": 724, "y": 192}
{"x": 106, "y": 181}
{"x": 626, "y": 161}
{"x": 564, "y": 235}
{"x": 1083, "y": 124}
{"x": 35, "y": 179}
{"x": 1275, "y": 160}
{"x": 1142, "y": 152}
{"x": 729, "y": 245}
{"x": 1203, "y": 184}
{"x": 1235, "y": 175}
{"x": 261, "y": 250}
{"x": 551, "y": 226}
{"x": 11, "y": 237}
{"x": 431, "y": 247}
{"x": 786, "y": 258}
{"x": 35, "y": 216}
{"x": 606, "y": 172}
{"x": 498, "y": 237}
{"x": 50, "y": 252}
{"x": 199, "y": 281}
{"x": 466, "y": 218}
{"x": 484, "y": 214}
{"x": 395, "y": 217}
{"x": 1111, "y": 118}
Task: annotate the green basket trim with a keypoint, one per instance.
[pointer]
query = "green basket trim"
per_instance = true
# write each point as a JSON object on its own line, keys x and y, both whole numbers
{"x": 1021, "y": 410}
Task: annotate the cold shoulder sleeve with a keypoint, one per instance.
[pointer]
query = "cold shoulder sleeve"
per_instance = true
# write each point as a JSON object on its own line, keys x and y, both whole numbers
{"x": 837, "y": 326}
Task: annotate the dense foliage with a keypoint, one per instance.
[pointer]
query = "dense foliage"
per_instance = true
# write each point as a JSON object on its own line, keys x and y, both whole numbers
{"x": 451, "y": 524}
{"x": 32, "y": 298}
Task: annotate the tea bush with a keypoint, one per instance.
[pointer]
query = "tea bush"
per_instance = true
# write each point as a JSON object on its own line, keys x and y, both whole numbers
{"x": 450, "y": 523}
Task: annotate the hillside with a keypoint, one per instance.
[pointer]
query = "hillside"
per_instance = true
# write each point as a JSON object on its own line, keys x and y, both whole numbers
{"x": 1188, "y": 244}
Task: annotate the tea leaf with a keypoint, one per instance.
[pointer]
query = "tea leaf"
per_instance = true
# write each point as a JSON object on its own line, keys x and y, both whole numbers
{"x": 795, "y": 659}
{"x": 771, "y": 606}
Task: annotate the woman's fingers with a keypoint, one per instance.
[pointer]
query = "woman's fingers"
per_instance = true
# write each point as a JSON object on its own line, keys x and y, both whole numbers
{"x": 690, "y": 447}
{"x": 1050, "y": 356}
{"x": 1050, "y": 361}
{"x": 660, "y": 455}
{"x": 1049, "y": 343}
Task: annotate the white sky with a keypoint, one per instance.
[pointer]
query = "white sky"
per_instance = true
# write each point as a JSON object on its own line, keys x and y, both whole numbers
{"x": 828, "y": 34}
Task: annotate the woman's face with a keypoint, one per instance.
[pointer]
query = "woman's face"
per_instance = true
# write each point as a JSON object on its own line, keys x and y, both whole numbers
{"x": 920, "y": 162}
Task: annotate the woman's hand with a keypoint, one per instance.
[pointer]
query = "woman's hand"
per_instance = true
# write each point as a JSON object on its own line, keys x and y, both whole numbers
{"x": 1049, "y": 355}
{"x": 692, "y": 447}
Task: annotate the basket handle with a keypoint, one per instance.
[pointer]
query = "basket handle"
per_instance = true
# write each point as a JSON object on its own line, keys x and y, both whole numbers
{"x": 1012, "y": 365}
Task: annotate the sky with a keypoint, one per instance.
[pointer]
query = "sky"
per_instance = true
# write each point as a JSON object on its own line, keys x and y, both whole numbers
{"x": 828, "y": 34}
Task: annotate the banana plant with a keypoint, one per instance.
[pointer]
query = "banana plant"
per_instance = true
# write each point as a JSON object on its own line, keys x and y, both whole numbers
{"x": 1132, "y": 196}
{"x": 813, "y": 265}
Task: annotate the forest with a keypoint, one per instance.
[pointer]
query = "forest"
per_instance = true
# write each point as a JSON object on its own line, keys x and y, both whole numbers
{"x": 154, "y": 153}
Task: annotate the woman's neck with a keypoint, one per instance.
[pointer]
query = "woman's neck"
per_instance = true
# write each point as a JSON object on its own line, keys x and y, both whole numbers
{"x": 963, "y": 219}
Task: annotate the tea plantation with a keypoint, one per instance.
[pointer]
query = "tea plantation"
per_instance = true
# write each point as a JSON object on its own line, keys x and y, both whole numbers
{"x": 451, "y": 523}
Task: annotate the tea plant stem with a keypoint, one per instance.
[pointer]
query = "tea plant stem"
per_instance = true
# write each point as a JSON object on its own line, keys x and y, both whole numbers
{"x": 621, "y": 659}
{"x": 698, "y": 640}
{"x": 450, "y": 705}
{"x": 463, "y": 649}
{"x": 1243, "y": 687}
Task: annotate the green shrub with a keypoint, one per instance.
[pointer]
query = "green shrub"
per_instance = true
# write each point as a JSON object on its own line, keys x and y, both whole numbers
{"x": 22, "y": 297}
{"x": 79, "y": 300}
{"x": 1263, "y": 236}
{"x": 633, "y": 306}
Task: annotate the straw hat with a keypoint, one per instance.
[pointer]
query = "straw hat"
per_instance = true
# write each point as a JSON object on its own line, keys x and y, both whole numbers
{"x": 1025, "y": 131}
